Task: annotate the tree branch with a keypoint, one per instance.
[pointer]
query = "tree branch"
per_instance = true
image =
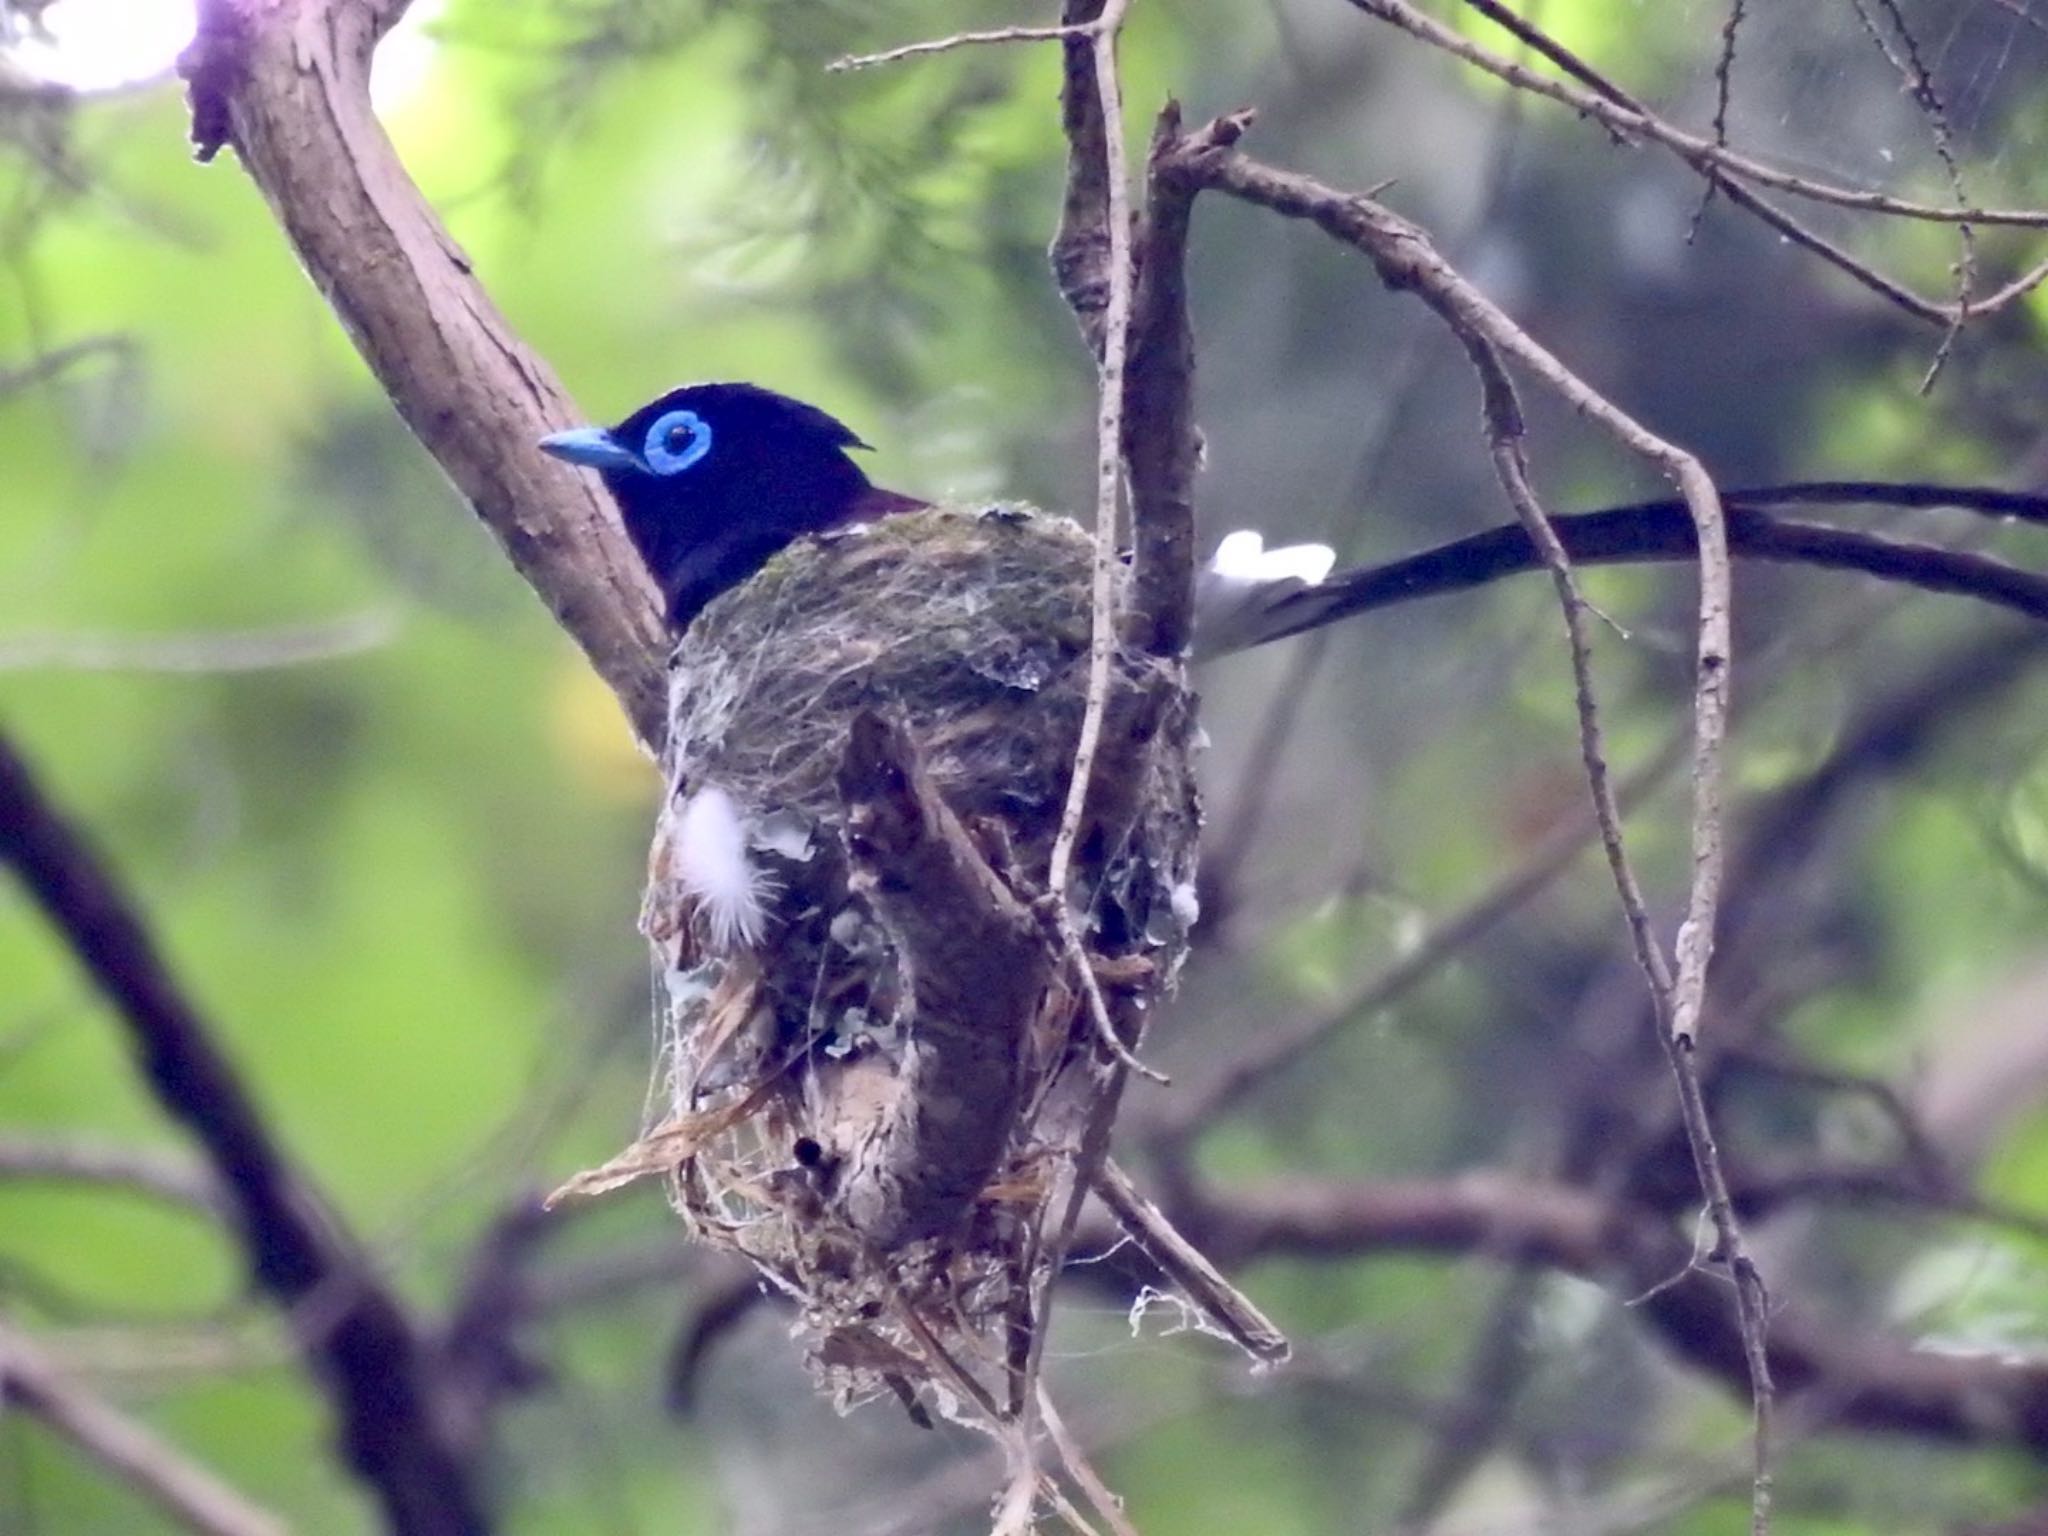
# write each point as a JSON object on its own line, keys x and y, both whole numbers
{"x": 1622, "y": 115}
{"x": 375, "y": 1368}
{"x": 1859, "y": 1380}
{"x": 1407, "y": 261}
{"x": 185, "y": 1490}
{"x": 974, "y": 968}
{"x": 1080, "y": 253}
{"x": 1110, "y": 202}
{"x": 286, "y": 82}
{"x": 1222, "y": 1304}
{"x": 1160, "y": 442}
{"x": 90, "y": 1162}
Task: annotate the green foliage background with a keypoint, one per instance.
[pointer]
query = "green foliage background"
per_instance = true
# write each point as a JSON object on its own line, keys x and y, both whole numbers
{"x": 402, "y": 878}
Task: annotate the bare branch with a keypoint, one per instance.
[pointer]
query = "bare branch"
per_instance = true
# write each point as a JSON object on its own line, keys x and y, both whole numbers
{"x": 960, "y": 40}
{"x": 1221, "y": 1303}
{"x": 1859, "y": 1379}
{"x": 248, "y": 650}
{"x": 1724, "y": 71}
{"x": 186, "y": 1491}
{"x": 1504, "y": 430}
{"x": 1080, "y": 253}
{"x": 1406, "y": 261}
{"x": 287, "y": 84}
{"x": 1504, "y": 422}
{"x": 974, "y": 970}
{"x": 1109, "y": 430}
{"x": 1633, "y": 120}
{"x": 1919, "y": 82}
{"x": 1541, "y": 43}
{"x": 375, "y": 1368}
{"x": 89, "y": 1162}
{"x": 1159, "y": 424}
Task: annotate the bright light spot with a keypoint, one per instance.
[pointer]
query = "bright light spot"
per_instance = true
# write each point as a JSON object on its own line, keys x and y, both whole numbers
{"x": 404, "y": 59}
{"x": 95, "y": 45}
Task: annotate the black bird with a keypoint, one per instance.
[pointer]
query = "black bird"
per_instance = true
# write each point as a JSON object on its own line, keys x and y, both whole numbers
{"x": 713, "y": 479}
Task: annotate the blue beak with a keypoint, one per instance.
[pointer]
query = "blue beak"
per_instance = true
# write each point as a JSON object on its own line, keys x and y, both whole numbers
{"x": 591, "y": 446}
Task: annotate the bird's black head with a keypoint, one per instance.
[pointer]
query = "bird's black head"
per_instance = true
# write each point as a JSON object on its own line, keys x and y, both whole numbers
{"x": 713, "y": 479}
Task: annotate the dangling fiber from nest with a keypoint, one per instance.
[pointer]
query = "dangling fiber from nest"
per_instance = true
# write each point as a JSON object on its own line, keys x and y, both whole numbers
{"x": 879, "y": 1082}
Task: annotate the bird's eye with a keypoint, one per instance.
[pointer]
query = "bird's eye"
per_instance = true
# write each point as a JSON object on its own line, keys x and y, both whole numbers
{"x": 676, "y": 441}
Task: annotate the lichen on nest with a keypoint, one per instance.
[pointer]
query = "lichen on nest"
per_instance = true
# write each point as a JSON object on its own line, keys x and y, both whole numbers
{"x": 871, "y": 1100}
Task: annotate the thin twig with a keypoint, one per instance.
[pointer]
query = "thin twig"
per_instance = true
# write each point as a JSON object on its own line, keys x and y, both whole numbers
{"x": 1226, "y": 1308}
{"x": 1406, "y": 261}
{"x": 1702, "y": 153}
{"x": 1722, "y": 169}
{"x": 1075, "y": 957}
{"x": 1883, "y": 1384}
{"x": 1234, "y": 833}
{"x": 1109, "y": 421}
{"x": 1504, "y": 437}
{"x": 89, "y": 1162}
{"x": 1540, "y": 42}
{"x": 222, "y": 651}
{"x": 958, "y": 40}
{"x": 1505, "y": 433}
{"x": 183, "y": 1489}
{"x": 1079, "y": 1468}
{"x": 1724, "y": 90}
{"x": 1920, "y": 83}
{"x": 1080, "y": 246}
{"x": 1724, "y": 71}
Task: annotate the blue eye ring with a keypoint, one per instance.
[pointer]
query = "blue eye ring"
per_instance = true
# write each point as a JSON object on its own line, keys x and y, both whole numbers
{"x": 677, "y": 440}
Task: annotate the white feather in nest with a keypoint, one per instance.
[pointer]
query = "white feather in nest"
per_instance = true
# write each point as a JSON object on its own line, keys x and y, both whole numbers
{"x": 715, "y": 873}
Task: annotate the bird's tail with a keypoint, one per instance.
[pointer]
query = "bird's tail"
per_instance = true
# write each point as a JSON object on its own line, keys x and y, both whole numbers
{"x": 1245, "y": 589}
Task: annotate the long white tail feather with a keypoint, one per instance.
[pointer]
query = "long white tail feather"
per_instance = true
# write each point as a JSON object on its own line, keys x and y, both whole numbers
{"x": 712, "y": 863}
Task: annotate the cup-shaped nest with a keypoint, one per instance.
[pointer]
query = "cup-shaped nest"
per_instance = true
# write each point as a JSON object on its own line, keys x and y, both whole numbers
{"x": 879, "y": 1083}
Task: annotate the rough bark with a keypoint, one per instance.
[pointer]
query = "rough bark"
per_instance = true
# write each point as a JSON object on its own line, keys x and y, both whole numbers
{"x": 287, "y": 83}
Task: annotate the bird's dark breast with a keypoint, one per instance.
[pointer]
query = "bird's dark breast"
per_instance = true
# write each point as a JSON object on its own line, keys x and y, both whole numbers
{"x": 707, "y": 535}
{"x": 693, "y": 571}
